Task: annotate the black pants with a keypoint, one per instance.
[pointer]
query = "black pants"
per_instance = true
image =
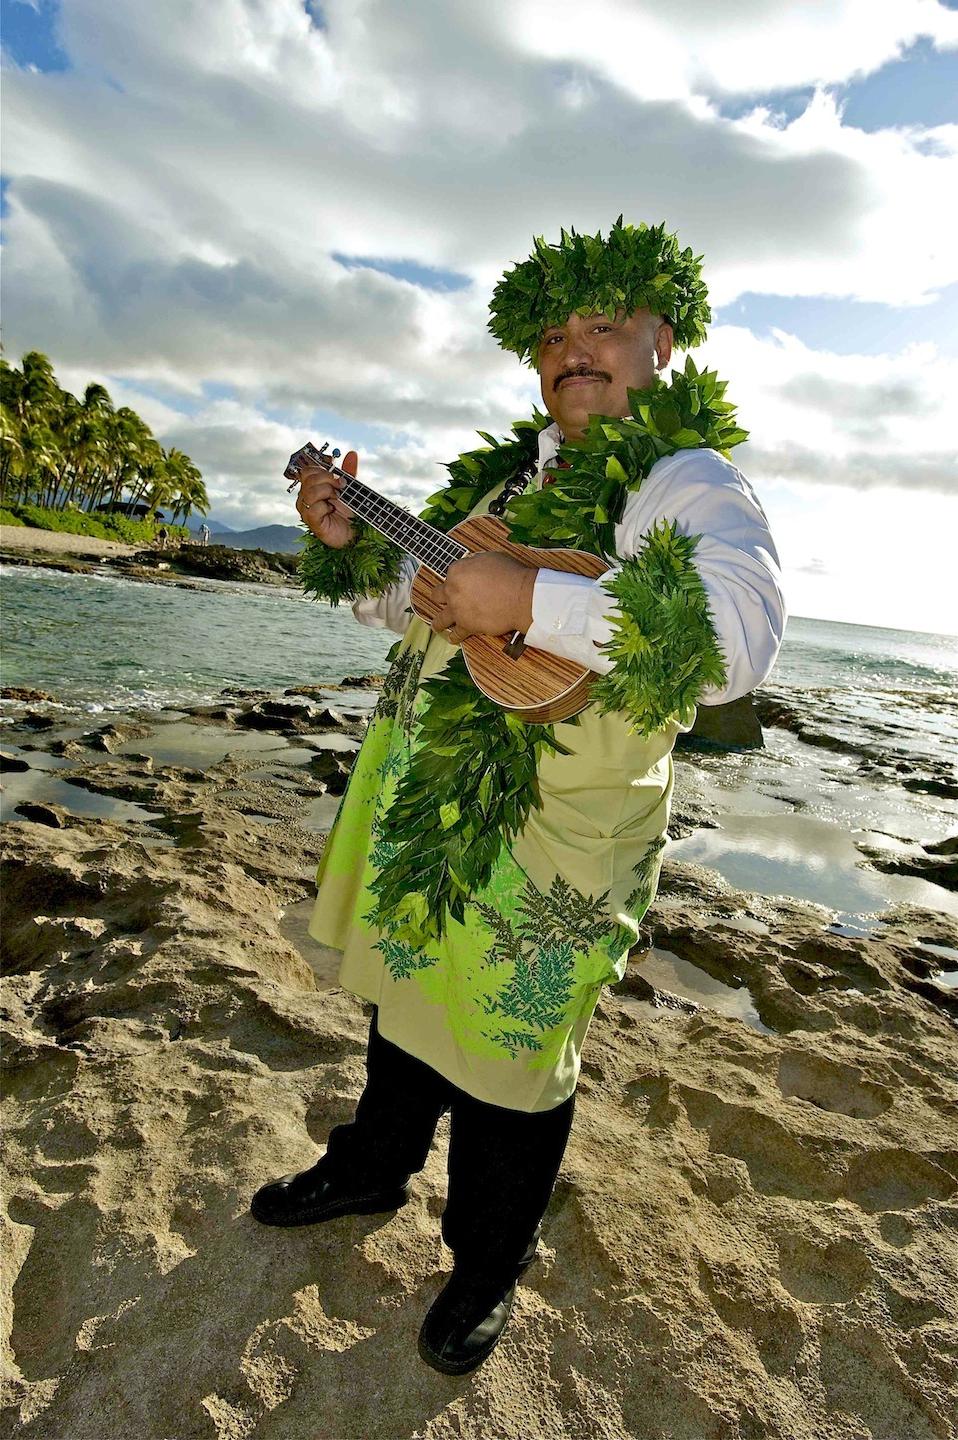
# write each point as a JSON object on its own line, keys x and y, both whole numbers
{"x": 502, "y": 1163}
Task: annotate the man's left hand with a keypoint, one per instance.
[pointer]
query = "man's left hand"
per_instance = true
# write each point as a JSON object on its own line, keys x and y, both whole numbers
{"x": 487, "y": 594}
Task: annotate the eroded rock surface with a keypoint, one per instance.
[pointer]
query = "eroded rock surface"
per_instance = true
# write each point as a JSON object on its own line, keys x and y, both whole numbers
{"x": 753, "y": 1236}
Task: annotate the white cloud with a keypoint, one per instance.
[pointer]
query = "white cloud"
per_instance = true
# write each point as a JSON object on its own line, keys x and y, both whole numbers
{"x": 665, "y": 52}
{"x": 856, "y": 420}
{"x": 881, "y": 558}
{"x": 177, "y": 197}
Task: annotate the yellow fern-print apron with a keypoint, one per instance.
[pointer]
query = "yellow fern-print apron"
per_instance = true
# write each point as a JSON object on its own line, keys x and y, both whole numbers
{"x": 502, "y": 1003}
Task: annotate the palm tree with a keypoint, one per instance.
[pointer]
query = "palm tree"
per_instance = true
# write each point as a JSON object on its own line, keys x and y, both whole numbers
{"x": 35, "y": 402}
{"x": 59, "y": 451}
{"x": 85, "y": 431}
{"x": 188, "y": 491}
{"x": 11, "y": 449}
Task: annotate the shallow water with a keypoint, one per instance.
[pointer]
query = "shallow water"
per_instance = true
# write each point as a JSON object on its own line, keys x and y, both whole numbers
{"x": 805, "y": 858}
{"x": 670, "y": 973}
{"x": 44, "y": 786}
{"x": 322, "y": 959}
{"x": 187, "y": 742}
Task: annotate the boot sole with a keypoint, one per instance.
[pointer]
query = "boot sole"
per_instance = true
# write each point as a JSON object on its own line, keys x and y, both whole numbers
{"x": 362, "y": 1205}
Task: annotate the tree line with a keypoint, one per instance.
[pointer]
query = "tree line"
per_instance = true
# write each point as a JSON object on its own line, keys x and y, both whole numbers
{"x": 60, "y": 452}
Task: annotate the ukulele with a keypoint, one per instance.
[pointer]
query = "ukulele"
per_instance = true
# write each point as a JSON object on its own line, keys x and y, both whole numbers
{"x": 524, "y": 680}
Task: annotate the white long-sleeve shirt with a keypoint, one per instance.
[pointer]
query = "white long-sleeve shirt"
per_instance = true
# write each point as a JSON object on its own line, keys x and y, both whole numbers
{"x": 705, "y": 495}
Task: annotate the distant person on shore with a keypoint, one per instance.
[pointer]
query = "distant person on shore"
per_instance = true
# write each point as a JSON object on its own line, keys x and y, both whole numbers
{"x": 485, "y": 876}
{"x": 204, "y": 534}
{"x": 162, "y": 537}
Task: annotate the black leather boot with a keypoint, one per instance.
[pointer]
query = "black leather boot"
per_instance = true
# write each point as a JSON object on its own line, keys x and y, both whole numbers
{"x": 309, "y": 1196}
{"x": 467, "y": 1317}
{"x": 465, "y": 1322}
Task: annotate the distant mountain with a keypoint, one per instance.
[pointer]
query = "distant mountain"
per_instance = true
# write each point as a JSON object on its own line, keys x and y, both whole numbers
{"x": 279, "y": 538}
{"x": 216, "y": 527}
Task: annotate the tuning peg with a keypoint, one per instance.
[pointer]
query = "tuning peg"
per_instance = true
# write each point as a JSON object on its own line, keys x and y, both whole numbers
{"x": 336, "y": 453}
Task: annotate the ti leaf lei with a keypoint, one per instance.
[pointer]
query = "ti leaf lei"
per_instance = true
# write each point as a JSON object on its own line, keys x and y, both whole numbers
{"x": 472, "y": 780}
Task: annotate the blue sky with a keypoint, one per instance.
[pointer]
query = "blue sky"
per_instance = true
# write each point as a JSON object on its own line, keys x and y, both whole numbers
{"x": 28, "y": 30}
{"x": 247, "y": 265}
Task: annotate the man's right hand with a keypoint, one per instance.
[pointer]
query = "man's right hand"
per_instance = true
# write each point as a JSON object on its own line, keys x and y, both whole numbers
{"x": 320, "y": 508}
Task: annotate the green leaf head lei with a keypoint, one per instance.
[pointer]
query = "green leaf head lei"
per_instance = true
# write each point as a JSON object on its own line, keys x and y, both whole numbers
{"x": 638, "y": 266}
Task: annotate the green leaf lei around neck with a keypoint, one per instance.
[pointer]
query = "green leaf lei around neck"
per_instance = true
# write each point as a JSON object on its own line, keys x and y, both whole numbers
{"x": 442, "y": 850}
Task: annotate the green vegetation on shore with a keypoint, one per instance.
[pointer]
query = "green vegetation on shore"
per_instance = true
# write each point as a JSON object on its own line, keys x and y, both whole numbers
{"x": 62, "y": 458}
{"x": 78, "y": 522}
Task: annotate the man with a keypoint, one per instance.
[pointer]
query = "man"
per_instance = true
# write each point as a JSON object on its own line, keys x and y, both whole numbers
{"x": 483, "y": 1010}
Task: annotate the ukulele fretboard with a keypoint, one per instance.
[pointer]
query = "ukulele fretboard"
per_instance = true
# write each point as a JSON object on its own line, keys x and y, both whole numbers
{"x": 425, "y": 542}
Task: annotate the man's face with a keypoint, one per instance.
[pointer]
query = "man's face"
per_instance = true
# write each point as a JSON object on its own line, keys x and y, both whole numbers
{"x": 588, "y": 365}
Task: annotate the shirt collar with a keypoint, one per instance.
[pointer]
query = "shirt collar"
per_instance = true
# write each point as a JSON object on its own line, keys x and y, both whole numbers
{"x": 550, "y": 438}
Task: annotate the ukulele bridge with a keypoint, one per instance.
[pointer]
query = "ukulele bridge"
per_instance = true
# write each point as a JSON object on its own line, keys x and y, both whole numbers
{"x": 516, "y": 645}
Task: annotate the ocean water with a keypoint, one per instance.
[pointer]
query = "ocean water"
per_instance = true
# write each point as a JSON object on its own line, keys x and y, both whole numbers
{"x": 790, "y": 816}
{"x": 100, "y": 642}
{"x": 899, "y": 686}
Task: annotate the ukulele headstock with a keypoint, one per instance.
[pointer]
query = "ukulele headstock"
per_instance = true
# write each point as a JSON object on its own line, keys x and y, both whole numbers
{"x": 309, "y": 455}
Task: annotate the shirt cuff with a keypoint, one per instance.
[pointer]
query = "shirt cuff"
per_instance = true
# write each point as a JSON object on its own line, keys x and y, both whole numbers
{"x": 559, "y": 606}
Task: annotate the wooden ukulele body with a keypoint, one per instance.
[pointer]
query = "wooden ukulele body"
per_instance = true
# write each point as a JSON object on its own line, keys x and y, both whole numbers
{"x": 530, "y": 683}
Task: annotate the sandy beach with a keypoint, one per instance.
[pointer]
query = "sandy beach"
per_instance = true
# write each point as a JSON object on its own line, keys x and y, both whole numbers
{"x": 59, "y": 542}
{"x": 754, "y": 1232}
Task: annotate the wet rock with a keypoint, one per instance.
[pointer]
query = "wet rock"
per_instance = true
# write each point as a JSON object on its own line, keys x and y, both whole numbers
{"x": 290, "y": 716}
{"x": 217, "y": 562}
{"x": 214, "y": 712}
{"x": 146, "y": 762}
{"x": 257, "y": 719}
{"x": 120, "y": 785}
{"x": 333, "y": 768}
{"x": 328, "y": 718}
{"x": 42, "y": 559}
{"x": 687, "y": 815}
{"x": 941, "y": 871}
{"x": 9, "y": 761}
{"x": 734, "y": 726}
{"x": 772, "y": 710}
{"x": 53, "y": 815}
{"x": 35, "y": 720}
{"x": 946, "y": 789}
{"x": 362, "y": 682}
{"x": 948, "y": 846}
{"x": 289, "y": 709}
{"x": 823, "y": 740}
{"x": 20, "y": 692}
{"x": 110, "y": 737}
{"x": 68, "y": 749}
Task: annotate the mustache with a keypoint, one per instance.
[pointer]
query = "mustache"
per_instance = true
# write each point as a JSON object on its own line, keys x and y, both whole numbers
{"x": 582, "y": 375}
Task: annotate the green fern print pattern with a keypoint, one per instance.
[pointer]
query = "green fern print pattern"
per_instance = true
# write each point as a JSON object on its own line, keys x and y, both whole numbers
{"x": 526, "y": 963}
{"x": 647, "y": 875}
{"x": 549, "y": 946}
{"x": 398, "y": 695}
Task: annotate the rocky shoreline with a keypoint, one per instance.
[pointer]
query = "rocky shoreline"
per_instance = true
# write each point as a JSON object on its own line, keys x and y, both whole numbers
{"x": 180, "y": 565}
{"x": 754, "y": 1231}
